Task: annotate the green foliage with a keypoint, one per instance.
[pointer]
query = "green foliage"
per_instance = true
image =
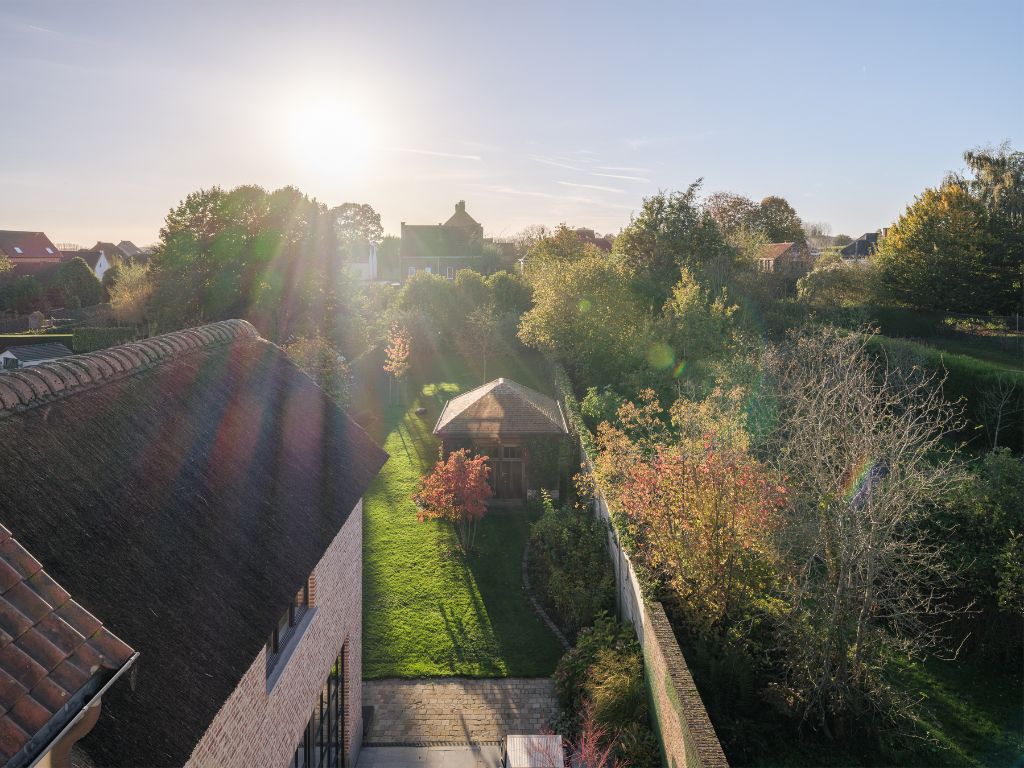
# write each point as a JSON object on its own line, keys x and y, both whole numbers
{"x": 388, "y": 265}
{"x": 700, "y": 329}
{"x": 427, "y": 610}
{"x": 672, "y": 231}
{"x": 836, "y": 283}
{"x": 557, "y": 249}
{"x": 569, "y": 566}
{"x": 86, "y": 339}
{"x": 988, "y": 518}
{"x": 511, "y": 293}
{"x": 76, "y": 284}
{"x": 585, "y": 316}
{"x": 600, "y": 405}
{"x": 778, "y": 222}
{"x": 271, "y": 257}
{"x": 960, "y": 246}
{"x": 355, "y": 223}
{"x": 319, "y": 360}
{"x": 967, "y": 378}
{"x": 603, "y": 675}
{"x": 130, "y": 295}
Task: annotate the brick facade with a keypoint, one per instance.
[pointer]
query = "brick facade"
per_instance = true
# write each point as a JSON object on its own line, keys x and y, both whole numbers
{"x": 255, "y": 727}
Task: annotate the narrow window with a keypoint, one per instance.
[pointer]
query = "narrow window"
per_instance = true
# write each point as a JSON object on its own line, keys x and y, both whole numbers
{"x": 285, "y": 629}
{"x": 412, "y": 271}
{"x": 450, "y": 273}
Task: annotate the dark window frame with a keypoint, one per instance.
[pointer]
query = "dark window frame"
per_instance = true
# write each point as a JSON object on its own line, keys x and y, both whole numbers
{"x": 323, "y": 740}
{"x": 283, "y": 632}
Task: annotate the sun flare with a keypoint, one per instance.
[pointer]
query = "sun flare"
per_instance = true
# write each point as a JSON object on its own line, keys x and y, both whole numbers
{"x": 332, "y": 135}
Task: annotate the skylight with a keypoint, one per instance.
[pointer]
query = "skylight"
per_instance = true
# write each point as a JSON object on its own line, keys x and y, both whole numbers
{"x": 49, "y": 249}
{"x": 17, "y": 249}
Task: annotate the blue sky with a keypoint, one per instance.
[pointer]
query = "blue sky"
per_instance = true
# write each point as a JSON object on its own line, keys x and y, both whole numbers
{"x": 532, "y": 112}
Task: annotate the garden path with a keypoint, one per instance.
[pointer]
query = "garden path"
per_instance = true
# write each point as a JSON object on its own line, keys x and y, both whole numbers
{"x": 449, "y": 711}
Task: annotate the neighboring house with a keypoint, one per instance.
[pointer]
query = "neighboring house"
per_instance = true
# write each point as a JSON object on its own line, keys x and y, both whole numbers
{"x": 588, "y": 236}
{"x": 442, "y": 249}
{"x": 113, "y": 252}
{"x": 57, "y": 662}
{"x": 97, "y": 260}
{"x": 29, "y": 252}
{"x": 362, "y": 261}
{"x": 129, "y": 249}
{"x": 203, "y": 496}
{"x": 785, "y": 258}
{"x": 864, "y": 246}
{"x": 32, "y": 354}
{"x": 517, "y": 427}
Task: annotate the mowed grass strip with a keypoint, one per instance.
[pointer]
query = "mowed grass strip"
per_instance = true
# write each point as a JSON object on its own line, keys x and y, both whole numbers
{"x": 427, "y": 610}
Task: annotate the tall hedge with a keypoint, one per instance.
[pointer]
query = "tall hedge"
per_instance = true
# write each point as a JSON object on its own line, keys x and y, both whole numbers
{"x": 88, "y": 339}
{"x": 967, "y": 378}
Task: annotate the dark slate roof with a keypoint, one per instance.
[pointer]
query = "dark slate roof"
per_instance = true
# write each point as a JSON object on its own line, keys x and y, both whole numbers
{"x": 129, "y": 249}
{"x": 501, "y": 407}
{"x": 114, "y": 254}
{"x": 31, "y": 353}
{"x": 862, "y": 247}
{"x": 90, "y": 257}
{"x": 55, "y": 656}
{"x": 183, "y": 488}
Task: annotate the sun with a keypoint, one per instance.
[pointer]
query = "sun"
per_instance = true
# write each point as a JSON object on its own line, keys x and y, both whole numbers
{"x": 331, "y": 136}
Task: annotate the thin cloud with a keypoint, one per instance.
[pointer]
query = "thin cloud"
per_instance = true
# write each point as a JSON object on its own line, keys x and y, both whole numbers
{"x": 626, "y": 168}
{"x": 432, "y": 153}
{"x": 555, "y": 163}
{"x": 590, "y": 186}
{"x": 506, "y": 190}
{"x": 618, "y": 176}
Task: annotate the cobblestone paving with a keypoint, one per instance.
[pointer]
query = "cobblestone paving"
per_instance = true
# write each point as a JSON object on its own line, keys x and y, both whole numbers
{"x": 456, "y": 711}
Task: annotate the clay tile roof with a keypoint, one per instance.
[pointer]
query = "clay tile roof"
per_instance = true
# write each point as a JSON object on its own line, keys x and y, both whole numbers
{"x": 501, "y": 407}
{"x": 41, "y": 629}
{"x": 191, "y": 483}
{"x": 775, "y": 250}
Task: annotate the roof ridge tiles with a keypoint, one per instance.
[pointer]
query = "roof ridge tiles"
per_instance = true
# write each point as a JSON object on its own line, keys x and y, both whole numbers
{"x": 35, "y": 385}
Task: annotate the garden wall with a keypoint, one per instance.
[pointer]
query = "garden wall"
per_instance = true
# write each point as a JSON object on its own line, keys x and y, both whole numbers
{"x": 687, "y": 737}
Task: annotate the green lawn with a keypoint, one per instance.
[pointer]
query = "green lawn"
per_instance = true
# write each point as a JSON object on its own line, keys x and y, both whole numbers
{"x": 427, "y": 610}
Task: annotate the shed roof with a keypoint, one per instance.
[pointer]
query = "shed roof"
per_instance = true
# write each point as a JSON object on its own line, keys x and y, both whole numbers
{"x": 774, "y": 251}
{"x": 31, "y": 353}
{"x": 501, "y": 407}
{"x": 55, "y": 656}
{"x": 183, "y": 488}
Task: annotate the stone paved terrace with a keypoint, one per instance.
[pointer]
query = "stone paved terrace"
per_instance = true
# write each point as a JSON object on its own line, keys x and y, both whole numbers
{"x": 439, "y": 711}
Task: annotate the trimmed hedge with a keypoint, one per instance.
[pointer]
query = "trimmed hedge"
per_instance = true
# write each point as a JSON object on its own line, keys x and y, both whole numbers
{"x": 966, "y": 377}
{"x": 89, "y": 339}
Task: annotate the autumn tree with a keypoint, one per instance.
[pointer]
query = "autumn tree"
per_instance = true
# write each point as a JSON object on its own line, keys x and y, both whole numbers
{"x": 319, "y": 360}
{"x": 130, "y": 295}
{"x": 699, "y": 511}
{"x": 563, "y": 246}
{"x": 456, "y": 491}
{"x": 397, "y": 354}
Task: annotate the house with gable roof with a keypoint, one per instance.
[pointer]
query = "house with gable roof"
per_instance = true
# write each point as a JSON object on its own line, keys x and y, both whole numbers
{"x": 519, "y": 429}
{"x": 214, "y": 522}
{"x": 29, "y": 252}
{"x": 444, "y": 249}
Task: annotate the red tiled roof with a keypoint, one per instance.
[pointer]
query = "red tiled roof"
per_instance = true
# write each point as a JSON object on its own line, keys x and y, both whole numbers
{"x": 29, "y": 252}
{"x": 775, "y": 250}
{"x": 50, "y": 649}
{"x": 501, "y": 407}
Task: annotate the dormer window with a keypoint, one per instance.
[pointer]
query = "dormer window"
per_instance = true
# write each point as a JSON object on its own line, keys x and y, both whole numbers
{"x": 282, "y": 636}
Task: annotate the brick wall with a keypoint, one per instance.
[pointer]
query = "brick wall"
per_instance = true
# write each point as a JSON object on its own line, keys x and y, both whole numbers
{"x": 688, "y": 738}
{"x": 257, "y": 728}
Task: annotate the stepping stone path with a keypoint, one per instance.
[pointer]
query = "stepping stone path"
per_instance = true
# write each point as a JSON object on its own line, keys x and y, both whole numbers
{"x": 448, "y": 711}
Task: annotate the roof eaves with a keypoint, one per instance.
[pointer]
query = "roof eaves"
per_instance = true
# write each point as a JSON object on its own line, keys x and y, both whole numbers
{"x": 26, "y": 388}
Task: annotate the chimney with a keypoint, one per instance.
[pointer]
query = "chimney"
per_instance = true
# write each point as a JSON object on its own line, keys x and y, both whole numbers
{"x": 460, "y": 207}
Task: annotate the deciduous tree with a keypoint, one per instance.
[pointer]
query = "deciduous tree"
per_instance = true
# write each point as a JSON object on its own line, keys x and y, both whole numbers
{"x": 456, "y": 491}
{"x": 319, "y": 360}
